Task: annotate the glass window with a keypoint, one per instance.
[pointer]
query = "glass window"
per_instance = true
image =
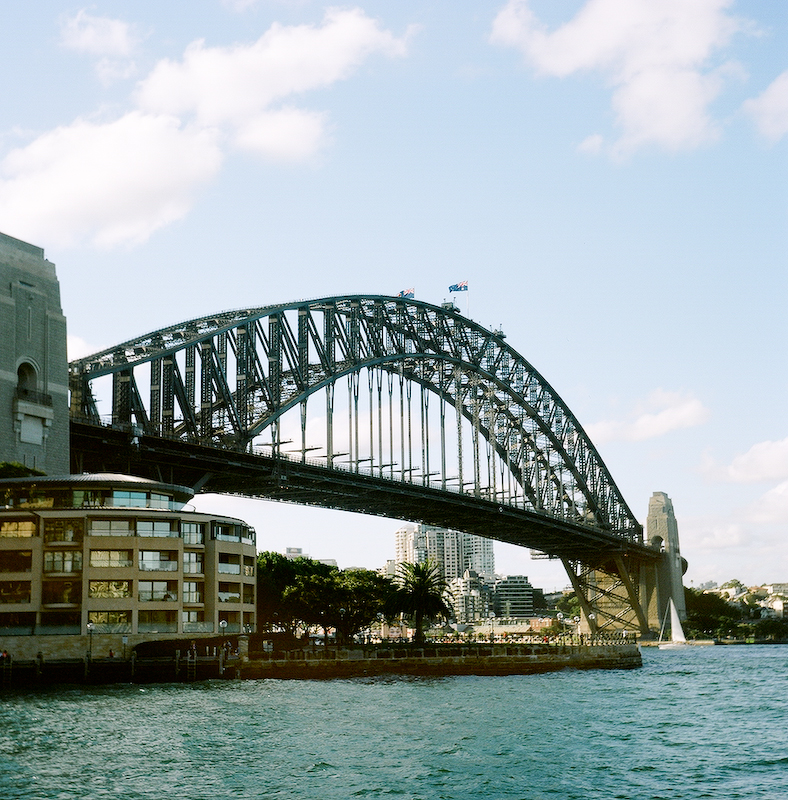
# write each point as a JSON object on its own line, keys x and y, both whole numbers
{"x": 157, "y": 622}
{"x": 160, "y": 500}
{"x": 22, "y": 528}
{"x": 229, "y": 592}
{"x": 63, "y": 561}
{"x": 229, "y": 564}
{"x": 61, "y": 592}
{"x": 110, "y": 621}
{"x": 159, "y": 560}
{"x": 248, "y": 593}
{"x": 110, "y": 527}
{"x": 111, "y": 558}
{"x": 192, "y": 592}
{"x": 59, "y": 622}
{"x": 14, "y": 592}
{"x": 193, "y": 532}
{"x": 17, "y": 623}
{"x": 158, "y": 527}
{"x": 193, "y": 563}
{"x": 249, "y": 563}
{"x": 157, "y": 590}
{"x": 64, "y": 530}
{"x": 109, "y": 589}
{"x": 129, "y": 499}
{"x": 16, "y": 560}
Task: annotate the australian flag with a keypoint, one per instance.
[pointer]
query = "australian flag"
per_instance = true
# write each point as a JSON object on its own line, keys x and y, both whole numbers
{"x": 407, "y": 293}
{"x": 462, "y": 286}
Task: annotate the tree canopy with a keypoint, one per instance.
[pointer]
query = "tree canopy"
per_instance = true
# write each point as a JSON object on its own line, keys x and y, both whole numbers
{"x": 420, "y": 596}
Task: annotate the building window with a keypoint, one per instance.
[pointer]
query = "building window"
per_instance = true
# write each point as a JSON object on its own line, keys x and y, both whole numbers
{"x": 248, "y": 593}
{"x": 14, "y": 592}
{"x": 59, "y": 622}
{"x": 110, "y": 527}
{"x": 229, "y": 592}
{"x": 249, "y": 566}
{"x": 61, "y": 593}
{"x": 161, "y": 527}
{"x": 17, "y": 623}
{"x": 157, "y": 590}
{"x": 192, "y": 592}
{"x": 18, "y": 528}
{"x": 157, "y": 622}
{"x": 194, "y": 622}
{"x": 110, "y": 621}
{"x": 63, "y": 561}
{"x": 193, "y": 532}
{"x": 109, "y": 589}
{"x": 16, "y": 560}
{"x": 111, "y": 558}
{"x": 229, "y": 564}
{"x": 159, "y": 560}
{"x": 129, "y": 499}
{"x": 63, "y": 530}
{"x": 193, "y": 563}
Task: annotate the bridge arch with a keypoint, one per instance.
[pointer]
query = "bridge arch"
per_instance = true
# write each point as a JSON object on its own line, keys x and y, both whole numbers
{"x": 411, "y": 391}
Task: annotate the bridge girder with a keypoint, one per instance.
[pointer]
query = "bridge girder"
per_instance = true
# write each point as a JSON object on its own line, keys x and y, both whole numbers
{"x": 233, "y": 381}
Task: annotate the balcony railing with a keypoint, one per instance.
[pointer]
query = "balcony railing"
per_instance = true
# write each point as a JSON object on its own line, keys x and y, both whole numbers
{"x": 32, "y": 396}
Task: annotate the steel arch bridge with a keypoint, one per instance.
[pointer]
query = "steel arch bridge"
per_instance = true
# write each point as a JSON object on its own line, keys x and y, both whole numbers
{"x": 377, "y": 404}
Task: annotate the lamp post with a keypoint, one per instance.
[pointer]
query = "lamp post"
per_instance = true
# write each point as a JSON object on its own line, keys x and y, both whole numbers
{"x": 90, "y": 627}
{"x": 492, "y": 627}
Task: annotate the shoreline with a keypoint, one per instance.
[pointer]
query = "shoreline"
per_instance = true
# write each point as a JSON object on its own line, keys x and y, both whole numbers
{"x": 333, "y": 663}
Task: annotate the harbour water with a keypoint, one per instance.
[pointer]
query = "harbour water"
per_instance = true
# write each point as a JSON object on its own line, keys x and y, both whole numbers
{"x": 700, "y": 722}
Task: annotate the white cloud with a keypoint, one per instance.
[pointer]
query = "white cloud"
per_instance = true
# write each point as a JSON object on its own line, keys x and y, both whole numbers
{"x": 662, "y": 413}
{"x": 116, "y": 182}
{"x": 232, "y": 85}
{"x": 98, "y": 36}
{"x": 772, "y": 507}
{"x": 765, "y": 461}
{"x": 770, "y": 109}
{"x": 288, "y": 134}
{"x": 655, "y": 55}
{"x": 108, "y": 183}
{"x": 79, "y": 348}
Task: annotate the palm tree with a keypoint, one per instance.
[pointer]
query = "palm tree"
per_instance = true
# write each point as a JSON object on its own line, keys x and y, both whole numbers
{"x": 421, "y": 595}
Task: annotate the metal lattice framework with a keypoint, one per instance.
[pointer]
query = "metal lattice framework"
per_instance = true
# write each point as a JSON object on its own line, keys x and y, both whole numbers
{"x": 280, "y": 356}
{"x": 390, "y": 388}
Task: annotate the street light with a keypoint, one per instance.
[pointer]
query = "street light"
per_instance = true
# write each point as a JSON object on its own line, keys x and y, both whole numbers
{"x": 90, "y": 627}
{"x": 222, "y": 625}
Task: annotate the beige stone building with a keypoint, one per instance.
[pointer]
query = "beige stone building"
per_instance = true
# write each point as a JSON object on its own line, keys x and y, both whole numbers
{"x": 93, "y": 563}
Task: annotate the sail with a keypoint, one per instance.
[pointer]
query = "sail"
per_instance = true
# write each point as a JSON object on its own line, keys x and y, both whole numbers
{"x": 676, "y": 631}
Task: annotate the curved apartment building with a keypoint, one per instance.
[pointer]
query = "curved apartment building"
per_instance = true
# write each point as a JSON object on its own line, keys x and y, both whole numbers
{"x": 99, "y": 563}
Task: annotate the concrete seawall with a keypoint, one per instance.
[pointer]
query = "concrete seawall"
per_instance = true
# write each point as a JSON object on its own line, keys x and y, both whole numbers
{"x": 325, "y": 664}
{"x": 441, "y": 661}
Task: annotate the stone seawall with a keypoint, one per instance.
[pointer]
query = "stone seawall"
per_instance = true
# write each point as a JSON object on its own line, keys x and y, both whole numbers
{"x": 441, "y": 661}
{"x": 320, "y": 664}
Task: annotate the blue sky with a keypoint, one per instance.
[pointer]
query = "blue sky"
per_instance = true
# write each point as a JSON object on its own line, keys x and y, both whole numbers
{"x": 608, "y": 175}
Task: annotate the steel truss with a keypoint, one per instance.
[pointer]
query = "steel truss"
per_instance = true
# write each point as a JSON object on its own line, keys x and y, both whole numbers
{"x": 412, "y": 393}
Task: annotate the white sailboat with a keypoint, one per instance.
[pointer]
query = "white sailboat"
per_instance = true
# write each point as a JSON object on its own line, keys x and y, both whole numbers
{"x": 677, "y": 637}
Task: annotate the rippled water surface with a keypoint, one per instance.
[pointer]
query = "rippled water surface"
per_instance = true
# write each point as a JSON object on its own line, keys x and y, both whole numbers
{"x": 704, "y": 722}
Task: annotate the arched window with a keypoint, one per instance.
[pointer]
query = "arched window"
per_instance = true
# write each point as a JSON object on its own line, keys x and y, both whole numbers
{"x": 26, "y": 378}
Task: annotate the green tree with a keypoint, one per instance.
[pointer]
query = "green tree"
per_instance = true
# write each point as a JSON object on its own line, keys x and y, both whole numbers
{"x": 710, "y": 615}
{"x": 347, "y": 601}
{"x": 279, "y": 606}
{"x": 420, "y": 596}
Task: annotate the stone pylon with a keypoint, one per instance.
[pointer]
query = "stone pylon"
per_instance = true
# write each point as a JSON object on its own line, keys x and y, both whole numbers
{"x": 34, "y": 426}
{"x": 663, "y": 532}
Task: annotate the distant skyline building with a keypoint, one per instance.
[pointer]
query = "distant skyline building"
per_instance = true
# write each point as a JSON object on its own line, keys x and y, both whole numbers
{"x": 514, "y": 597}
{"x": 453, "y": 551}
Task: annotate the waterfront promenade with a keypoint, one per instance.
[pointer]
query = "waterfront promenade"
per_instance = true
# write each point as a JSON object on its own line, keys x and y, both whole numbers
{"x": 434, "y": 660}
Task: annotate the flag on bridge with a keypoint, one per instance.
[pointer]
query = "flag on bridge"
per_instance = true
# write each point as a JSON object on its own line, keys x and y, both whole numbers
{"x": 462, "y": 286}
{"x": 408, "y": 293}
